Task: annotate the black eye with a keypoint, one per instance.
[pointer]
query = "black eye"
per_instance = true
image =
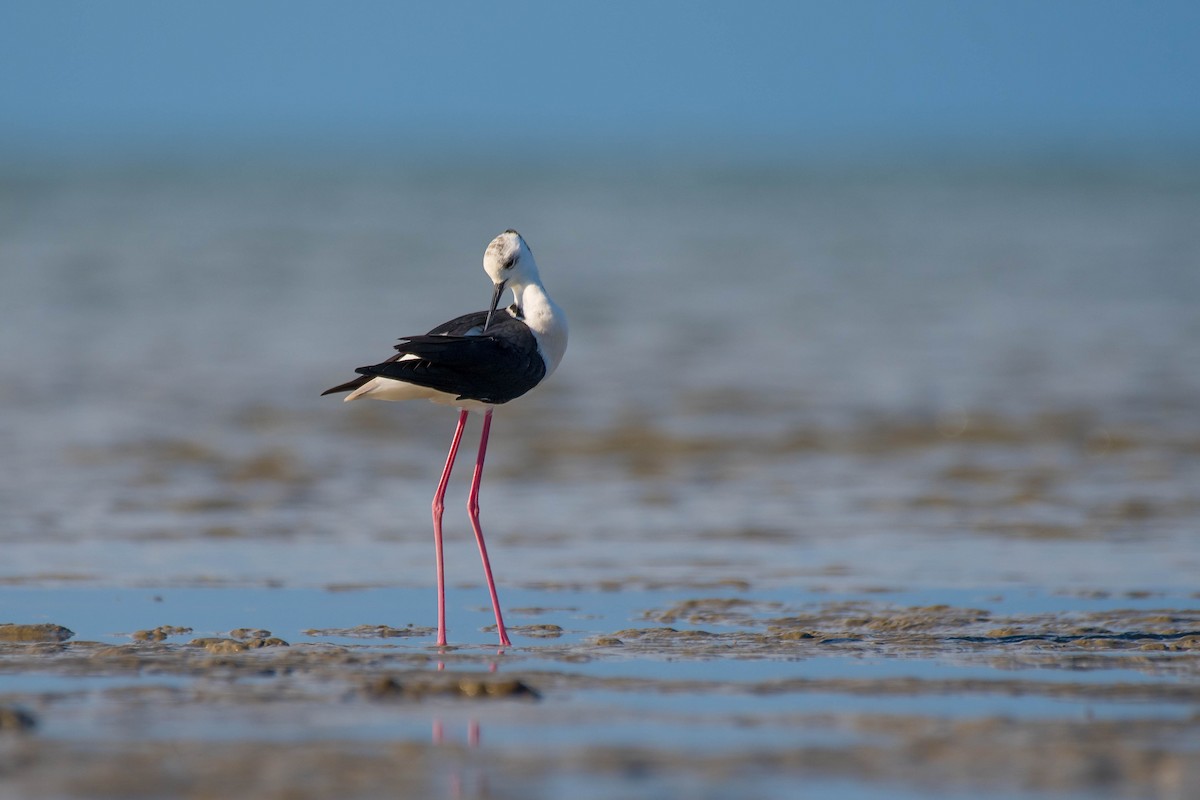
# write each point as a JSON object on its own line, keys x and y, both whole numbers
{"x": 509, "y": 262}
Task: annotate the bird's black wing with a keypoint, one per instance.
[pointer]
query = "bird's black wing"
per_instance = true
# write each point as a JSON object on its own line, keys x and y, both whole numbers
{"x": 459, "y": 326}
{"x": 467, "y": 323}
{"x": 495, "y": 367}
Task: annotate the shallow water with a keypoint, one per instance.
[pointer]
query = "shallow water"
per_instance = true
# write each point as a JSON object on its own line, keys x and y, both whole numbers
{"x": 878, "y": 485}
{"x": 663, "y": 676}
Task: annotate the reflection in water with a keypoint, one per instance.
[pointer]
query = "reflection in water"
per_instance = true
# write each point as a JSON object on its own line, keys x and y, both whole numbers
{"x": 466, "y": 777}
{"x": 439, "y": 732}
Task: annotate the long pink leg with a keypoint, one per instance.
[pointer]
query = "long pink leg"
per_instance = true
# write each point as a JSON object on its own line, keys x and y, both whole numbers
{"x": 438, "y": 506}
{"x": 473, "y": 510}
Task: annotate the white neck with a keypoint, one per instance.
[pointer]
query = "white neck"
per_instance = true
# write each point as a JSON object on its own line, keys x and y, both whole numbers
{"x": 545, "y": 319}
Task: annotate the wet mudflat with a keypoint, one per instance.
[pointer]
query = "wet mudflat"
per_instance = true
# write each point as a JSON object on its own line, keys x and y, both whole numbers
{"x": 719, "y": 690}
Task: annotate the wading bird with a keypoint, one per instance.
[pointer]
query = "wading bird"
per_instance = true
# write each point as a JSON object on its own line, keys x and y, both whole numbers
{"x": 474, "y": 363}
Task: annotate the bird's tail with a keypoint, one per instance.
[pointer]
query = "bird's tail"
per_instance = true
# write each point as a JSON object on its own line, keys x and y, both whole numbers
{"x": 349, "y": 386}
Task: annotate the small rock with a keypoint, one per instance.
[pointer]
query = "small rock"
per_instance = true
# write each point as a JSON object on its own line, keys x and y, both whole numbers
{"x": 249, "y": 633}
{"x": 383, "y": 686}
{"x": 41, "y": 632}
{"x": 220, "y": 646}
{"x": 370, "y": 631}
{"x": 160, "y": 633}
{"x": 390, "y": 687}
{"x": 795, "y": 636}
{"x": 269, "y": 641}
{"x": 539, "y": 631}
{"x": 510, "y": 688}
{"x": 1002, "y": 633}
{"x": 15, "y": 719}
{"x": 474, "y": 687}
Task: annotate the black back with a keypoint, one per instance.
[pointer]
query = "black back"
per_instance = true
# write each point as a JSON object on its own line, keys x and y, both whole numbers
{"x": 495, "y": 367}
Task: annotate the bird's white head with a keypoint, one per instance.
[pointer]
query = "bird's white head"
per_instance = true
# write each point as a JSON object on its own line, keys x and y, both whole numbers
{"x": 509, "y": 262}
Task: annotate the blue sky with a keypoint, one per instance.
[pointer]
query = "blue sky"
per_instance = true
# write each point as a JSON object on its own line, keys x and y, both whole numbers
{"x": 797, "y": 79}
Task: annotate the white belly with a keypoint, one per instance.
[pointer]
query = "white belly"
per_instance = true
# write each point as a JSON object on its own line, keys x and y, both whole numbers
{"x": 394, "y": 390}
{"x": 388, "y": 389}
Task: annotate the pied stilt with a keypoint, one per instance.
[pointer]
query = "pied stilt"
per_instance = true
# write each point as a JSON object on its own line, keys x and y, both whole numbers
{"x": 474, "y": 363}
